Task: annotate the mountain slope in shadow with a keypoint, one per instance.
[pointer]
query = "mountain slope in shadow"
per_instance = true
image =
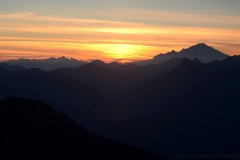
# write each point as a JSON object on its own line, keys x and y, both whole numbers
{"x": 12, "y": 67}
{"x": 230, "y": 62}
{"x": 78, "y": 101}
{"x": 30, "y": 129}
{"x": 3, "y": 71}
{"x": 193, "y": 108}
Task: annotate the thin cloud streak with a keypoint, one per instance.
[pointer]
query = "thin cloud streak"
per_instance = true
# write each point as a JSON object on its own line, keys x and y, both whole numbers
{"x": 158, "y": 15}
{"x": 121, "y": 17}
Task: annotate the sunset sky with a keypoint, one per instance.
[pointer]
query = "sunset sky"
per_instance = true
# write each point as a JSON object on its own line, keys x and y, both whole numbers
{"x": 110, "y": 30}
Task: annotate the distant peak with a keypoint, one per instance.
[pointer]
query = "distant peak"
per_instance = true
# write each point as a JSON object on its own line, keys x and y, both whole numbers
{"x": 200, "y": 45}
{"x": 196, "y": 60}
{"x": 97, "y": 62}
{"x": 114, "y": 62}
{"x": 63, "y": 57}
{"x": 173, "y": 51}
{"x": 188, "y": 62}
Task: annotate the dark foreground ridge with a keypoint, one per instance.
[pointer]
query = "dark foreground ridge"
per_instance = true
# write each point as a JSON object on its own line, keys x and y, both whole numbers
{"x": 30, "y": 129}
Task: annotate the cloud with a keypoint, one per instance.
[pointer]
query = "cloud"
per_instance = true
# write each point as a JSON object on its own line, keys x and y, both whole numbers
{"x": 229, "y": 44}
{"x": 159, "y": 17}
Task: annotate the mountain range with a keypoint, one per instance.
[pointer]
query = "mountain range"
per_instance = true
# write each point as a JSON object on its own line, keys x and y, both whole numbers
{"x": 47, "y": 64}
{"x": 180, "y": 106}
{"x": 200, "y": 51}
{"x": 114, "y": 79}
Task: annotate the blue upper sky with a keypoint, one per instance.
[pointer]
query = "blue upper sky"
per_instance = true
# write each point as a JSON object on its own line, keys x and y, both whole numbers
{"x": 230, "y": 7}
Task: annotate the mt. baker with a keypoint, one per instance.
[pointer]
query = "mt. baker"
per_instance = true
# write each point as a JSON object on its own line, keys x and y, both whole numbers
{"x": 200, "y": 51}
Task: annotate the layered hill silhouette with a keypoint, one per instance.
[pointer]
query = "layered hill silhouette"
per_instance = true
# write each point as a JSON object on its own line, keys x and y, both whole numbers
{"x": 3, "y": 71}
{"x": 30, "y": 129}
{"x": 12, "y": 67}
{"x": 114, "y": 79}
{"x": 200, "y": 51}
{"x": 230, "y": 62}
{"x": 68, "y": 95}
{"x": 47, "y": 64}
{"x": 194, "y": 107}
{"x": 180, "y": 106}
{"x": 180, "y": 110}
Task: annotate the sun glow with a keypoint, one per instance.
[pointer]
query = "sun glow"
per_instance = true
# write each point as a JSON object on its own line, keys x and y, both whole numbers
{"x": 87, "y": 38}
{"x": 122, "y": 50}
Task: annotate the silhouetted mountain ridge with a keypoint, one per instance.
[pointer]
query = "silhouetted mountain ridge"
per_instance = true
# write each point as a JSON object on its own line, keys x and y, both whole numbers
{"x": 114, "y": 79}
{"x": 168, "y": 53}
{"x": 12, "y": 67}
{"x": 192, "y": 108}
{"x": 98, "y": 62}
{"x": 233, "y": 61}
{"x": 68, "y": 95}
{"x": 30, "y": 129}
{"x": 47, "y": 64}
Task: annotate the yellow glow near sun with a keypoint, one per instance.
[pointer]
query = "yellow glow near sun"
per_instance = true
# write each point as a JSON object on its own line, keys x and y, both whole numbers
{"x": 121, "y": 51}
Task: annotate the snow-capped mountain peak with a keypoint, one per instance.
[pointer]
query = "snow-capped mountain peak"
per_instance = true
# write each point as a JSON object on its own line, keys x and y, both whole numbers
{"x": 199, "y": 51}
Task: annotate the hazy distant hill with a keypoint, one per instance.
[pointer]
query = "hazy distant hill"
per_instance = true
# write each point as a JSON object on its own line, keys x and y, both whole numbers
{"x": 230, "y": 62}
{"x": 47, "y": 64}
{"x": 200, "y": 51}
{"x": 68, "y": 95}
{"x": 12, "y": 67}
{"x": 30, "y": 129}
{"x": 113, "y": 79}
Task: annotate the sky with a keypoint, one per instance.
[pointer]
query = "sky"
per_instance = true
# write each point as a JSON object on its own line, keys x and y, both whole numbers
{"x": 115, "y": 30}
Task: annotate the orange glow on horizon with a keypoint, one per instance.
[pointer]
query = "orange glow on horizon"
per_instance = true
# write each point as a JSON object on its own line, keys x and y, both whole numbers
{"x": 85, "y": 39}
